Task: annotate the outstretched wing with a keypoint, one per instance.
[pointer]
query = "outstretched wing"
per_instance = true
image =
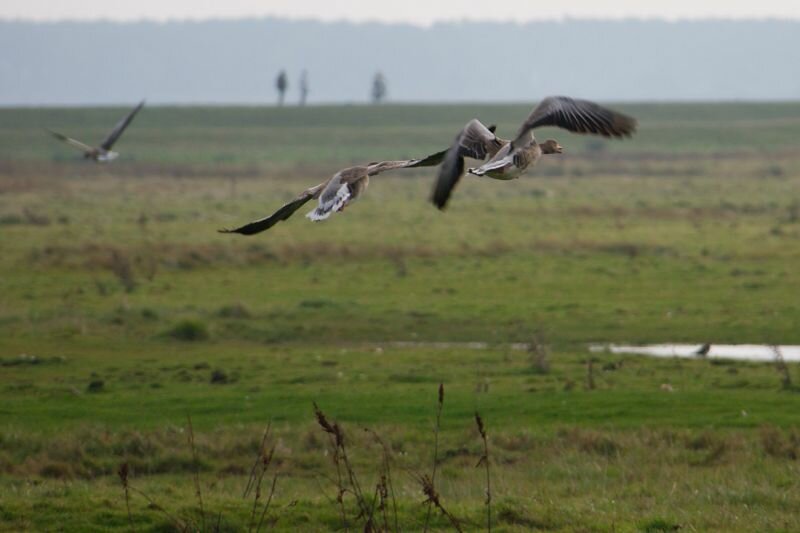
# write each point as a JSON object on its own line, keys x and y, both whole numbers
{"x": 479, "y": 142}
{"x": 432, "y": 160}
{"x": 476, "y": 141}
{"x": 72, "y": 142}
{"x": 578, "y": 116}
{"x": 120, "y": 127}
{"x": 283, "y": 213}
{"x": 449, "y": 174}
{"x": 383, "y": 166}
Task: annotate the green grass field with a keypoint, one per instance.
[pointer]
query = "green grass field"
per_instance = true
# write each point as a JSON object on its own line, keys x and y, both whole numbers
{"x": 122, "y": 311}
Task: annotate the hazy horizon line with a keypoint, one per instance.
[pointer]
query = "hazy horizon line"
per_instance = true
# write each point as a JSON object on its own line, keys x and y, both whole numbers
{"x": 366, "y": 103}
{"x": 374, "y": 21}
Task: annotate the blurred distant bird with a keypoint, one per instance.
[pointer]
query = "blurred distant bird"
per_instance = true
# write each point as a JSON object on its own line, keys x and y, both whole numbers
{"x": 509, "y": 160}
{"x": 102, "y": 153}
{"x": 335, "y": 193}
{"x": 703, "y": 350}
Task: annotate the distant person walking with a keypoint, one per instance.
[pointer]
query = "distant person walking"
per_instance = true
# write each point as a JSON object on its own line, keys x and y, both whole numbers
{"x": 281, "y": 83}
{"x": 378, "y": 88}
{"x": 303, "y": 88}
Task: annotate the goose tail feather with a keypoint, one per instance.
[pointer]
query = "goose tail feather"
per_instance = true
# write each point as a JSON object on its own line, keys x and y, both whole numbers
{"x": 337, "y": 203}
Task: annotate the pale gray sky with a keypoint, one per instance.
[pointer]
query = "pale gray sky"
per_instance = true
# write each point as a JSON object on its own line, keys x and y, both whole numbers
{"x": 421, "y": 12}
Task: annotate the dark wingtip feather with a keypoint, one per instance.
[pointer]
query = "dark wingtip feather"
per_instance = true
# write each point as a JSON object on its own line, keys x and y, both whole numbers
{"x": 446, "y": 182}
{"x": 625, "y": 125}
{"x": 439, "y": 196}
{"x": 429, "y": 161}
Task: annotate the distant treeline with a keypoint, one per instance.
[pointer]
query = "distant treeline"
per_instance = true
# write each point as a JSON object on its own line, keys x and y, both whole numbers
{"x": 238, "y": 61}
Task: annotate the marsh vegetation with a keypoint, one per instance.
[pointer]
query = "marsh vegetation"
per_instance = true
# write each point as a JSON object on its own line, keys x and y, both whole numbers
{"x": 122, "y": 311}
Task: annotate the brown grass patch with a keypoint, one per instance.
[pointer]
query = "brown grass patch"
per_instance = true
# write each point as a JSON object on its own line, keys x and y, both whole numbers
{"x": 780, "y": 444}
{"x": 144, "y": 260}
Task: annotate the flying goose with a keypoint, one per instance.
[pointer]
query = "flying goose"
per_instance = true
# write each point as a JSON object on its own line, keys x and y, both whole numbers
{"x": 509, "y": 160}
{"x": 102, "y": 153}
{"x": 335, "y": 193}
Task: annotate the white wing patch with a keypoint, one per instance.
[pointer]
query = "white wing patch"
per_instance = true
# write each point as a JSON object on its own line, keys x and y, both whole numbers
{"x": 492, "y": 165}
{"x": 325, "y": 209}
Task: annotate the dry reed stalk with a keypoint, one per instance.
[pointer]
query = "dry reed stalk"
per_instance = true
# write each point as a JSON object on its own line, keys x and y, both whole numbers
{"x": 196, "y": 472}
{"x": 266, "y": 459}
{"x": 783, "y": 368}
{"x": 123, "y": 473}
{"x": 179, "y": 525}
{"x": 434, "y": 501}
{"x": 439, "y": 407}
{"x": 383, "y": 493}
{"x": 335, "y": 434}
{"x": 485, "y": 461}
{"x": 261, "y": 450}
{"x": 269, "y": 500}
{"x": 387, "y": 482}
{"x": 123, "y": 477}
{"x": 333, "y": 429}
{"x": 365, "y": 509}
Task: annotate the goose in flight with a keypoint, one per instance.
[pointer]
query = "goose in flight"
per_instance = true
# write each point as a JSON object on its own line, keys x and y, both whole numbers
{"x": 102, "y": 153}
{"x": 510, "y": 159}
{"x": 335, "y": 193}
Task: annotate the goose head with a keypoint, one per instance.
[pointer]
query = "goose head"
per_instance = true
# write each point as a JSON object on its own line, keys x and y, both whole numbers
{"x": 551, "y": 146}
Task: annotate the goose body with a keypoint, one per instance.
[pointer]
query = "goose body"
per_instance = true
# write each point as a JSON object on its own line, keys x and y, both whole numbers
{"x": 344, "y": 187}
{"x": 508, "y": 164}
{"x": 508, "y": 160}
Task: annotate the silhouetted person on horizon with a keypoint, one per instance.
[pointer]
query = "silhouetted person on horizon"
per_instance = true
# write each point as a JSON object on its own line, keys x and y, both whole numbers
{"x": 378, "y": 88}
{"x": 303, "y": 88}
{"x": 281, "y": 83}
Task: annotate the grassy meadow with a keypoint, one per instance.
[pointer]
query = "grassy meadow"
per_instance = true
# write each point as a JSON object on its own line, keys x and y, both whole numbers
{"x": 123, "y": 312}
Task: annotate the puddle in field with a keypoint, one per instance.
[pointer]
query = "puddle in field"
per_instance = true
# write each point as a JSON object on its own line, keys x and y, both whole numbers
{"x": 741, "y": 352}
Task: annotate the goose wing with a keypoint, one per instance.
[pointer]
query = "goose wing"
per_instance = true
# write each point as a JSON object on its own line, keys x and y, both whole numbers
{"x": 382, "y": 166}
{"x": 476, "y": 141}
{"x": 479, "y": 142}
{"x": 283, "y": 213}
{"x": 578, "y": 116}
{"x": 72, "y": 142}
{"x": 120, "y": 127}
{"x": 429, "y": 161}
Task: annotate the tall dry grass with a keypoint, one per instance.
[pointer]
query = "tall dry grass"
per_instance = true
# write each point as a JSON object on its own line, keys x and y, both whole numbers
{"x": 373, "y": 510}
